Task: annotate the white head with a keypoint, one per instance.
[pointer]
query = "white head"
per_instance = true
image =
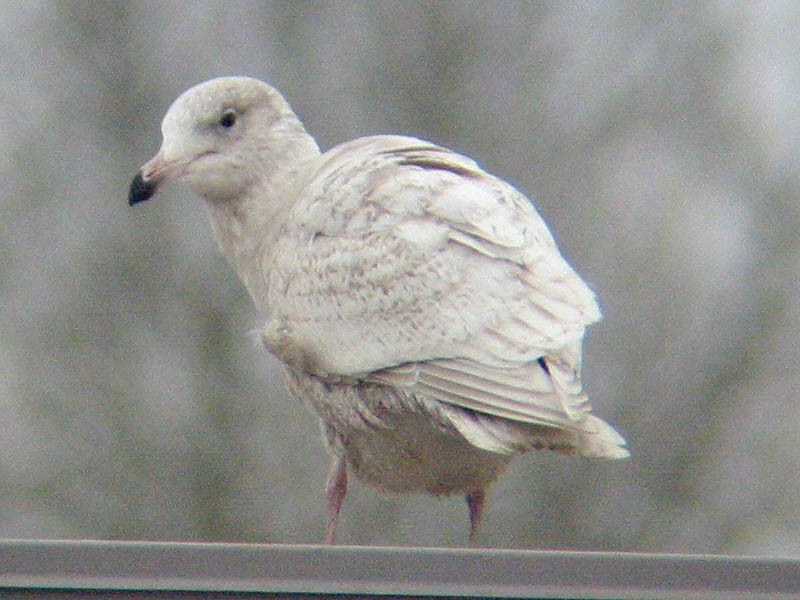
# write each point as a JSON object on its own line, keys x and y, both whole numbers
{"x": 219, "y": 138}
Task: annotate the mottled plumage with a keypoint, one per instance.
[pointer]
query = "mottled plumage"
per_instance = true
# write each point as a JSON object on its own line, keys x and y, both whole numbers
{"x": 420, "y": 305}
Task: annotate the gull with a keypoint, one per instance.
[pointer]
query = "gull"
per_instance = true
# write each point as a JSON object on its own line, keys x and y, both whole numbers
{"x": 419, "y": 306}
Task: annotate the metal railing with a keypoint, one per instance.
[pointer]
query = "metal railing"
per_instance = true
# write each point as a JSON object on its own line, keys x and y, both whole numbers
{"x": 60, "y": 568}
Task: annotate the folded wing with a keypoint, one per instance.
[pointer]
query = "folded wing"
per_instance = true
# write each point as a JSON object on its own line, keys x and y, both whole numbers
{"x": 406, "y": 264}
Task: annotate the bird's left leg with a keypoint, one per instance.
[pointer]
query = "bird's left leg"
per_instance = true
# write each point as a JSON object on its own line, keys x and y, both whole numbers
{"x": 475, "y": 501}
{"x": 335, "y": 491}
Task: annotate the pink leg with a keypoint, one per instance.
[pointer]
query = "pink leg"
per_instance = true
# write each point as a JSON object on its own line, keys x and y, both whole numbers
{"x": 475, "y": 501}
{"x": 335, "y": 491}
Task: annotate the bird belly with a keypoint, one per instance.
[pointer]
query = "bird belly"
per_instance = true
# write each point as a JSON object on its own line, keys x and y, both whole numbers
{"x": 395, "y": 441}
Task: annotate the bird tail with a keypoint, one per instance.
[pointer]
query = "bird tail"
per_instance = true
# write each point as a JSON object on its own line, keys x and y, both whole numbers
{"x": 597, "y": 439}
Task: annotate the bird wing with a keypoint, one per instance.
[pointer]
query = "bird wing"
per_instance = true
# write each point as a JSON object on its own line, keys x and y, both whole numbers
{"x": 405, "y": 263}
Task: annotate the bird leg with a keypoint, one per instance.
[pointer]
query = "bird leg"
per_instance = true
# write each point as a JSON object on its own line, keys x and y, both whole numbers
{"x": 335, "y": 491}
{"x": 475, "y": 501}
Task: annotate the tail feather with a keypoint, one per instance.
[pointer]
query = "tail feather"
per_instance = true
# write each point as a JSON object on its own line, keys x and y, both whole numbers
{"x": 599, "y": 440}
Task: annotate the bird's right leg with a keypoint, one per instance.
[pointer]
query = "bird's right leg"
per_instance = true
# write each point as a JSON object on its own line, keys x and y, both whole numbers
{"x": 475, "y": 501}
{"x": 335, "y": 491}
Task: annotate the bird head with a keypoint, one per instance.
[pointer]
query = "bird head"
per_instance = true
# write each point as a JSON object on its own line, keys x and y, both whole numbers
{"x": 218, "y": 139}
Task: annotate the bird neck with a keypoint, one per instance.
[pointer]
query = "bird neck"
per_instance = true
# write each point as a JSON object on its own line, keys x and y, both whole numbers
{"x": 246, "y": 227}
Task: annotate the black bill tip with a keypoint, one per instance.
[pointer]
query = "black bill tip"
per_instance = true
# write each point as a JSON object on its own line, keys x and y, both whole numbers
{"x": 141, "y": 190}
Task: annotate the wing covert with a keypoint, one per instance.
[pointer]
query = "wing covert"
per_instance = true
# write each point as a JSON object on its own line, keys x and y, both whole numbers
{"x": 399, "y": 252}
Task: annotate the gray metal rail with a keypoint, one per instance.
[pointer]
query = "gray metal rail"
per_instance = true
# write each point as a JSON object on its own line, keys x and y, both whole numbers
{"x": 59, "y": 569}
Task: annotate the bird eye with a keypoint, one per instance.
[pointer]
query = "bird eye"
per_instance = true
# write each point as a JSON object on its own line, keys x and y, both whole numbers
{"x": 228, "y": 119}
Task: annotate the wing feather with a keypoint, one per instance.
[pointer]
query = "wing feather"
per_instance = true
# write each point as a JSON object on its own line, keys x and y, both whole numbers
{"x": 422, "y": 271}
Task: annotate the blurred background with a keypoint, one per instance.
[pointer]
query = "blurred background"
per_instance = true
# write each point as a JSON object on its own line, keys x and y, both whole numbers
{"x": 660, "y": 141}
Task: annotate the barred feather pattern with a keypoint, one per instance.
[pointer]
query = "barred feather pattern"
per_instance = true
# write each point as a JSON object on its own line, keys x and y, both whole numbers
{"x": 422, "y": 273}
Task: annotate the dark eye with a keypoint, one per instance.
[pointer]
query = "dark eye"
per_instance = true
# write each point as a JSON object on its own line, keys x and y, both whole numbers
{"x": 228, "y": 119}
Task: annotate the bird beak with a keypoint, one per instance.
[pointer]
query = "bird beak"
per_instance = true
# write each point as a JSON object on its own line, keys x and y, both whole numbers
{"x": 151, "y": 176}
